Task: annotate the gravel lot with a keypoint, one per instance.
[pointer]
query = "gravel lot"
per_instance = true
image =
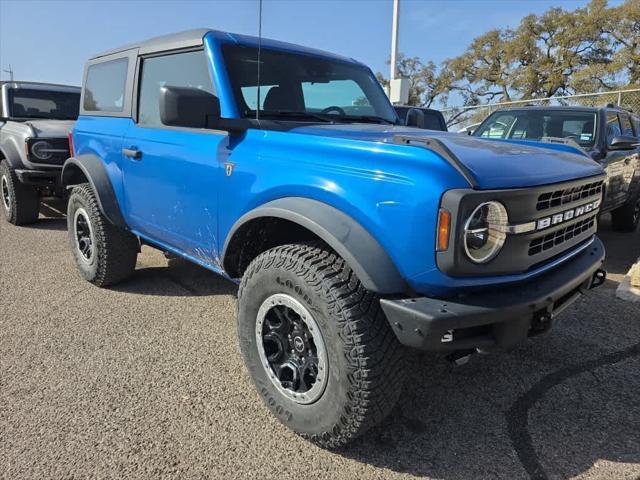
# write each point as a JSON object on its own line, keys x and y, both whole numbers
{"x": 146, "y": 381}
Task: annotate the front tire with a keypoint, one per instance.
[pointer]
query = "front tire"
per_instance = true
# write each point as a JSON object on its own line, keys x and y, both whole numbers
{"x": 317, "y": 345}
{"x": 20, "y": 203}
{"x": 103, "y": 253}
{"x": 626, "y": 217}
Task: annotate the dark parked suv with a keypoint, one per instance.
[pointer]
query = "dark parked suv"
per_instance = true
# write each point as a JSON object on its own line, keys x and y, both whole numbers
{"x": 35, "y": 121}
{"x": 426, "y": 118}
{"x": 609, "y": 135}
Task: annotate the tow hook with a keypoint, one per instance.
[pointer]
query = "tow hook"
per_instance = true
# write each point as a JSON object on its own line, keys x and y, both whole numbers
{"x": 598, "y": 278}
{"x": 461, "y": 357}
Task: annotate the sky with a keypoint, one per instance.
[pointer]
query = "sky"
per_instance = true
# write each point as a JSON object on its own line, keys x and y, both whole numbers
{"x": 49, "y": 40}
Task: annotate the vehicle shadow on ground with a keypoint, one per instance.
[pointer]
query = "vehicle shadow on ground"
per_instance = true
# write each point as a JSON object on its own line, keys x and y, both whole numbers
{"x": 475, "y": 421}
{"x": 179, "y": 278}
{"x": 623, "y": 248}
{"x": 55, "y": 224}
{"x": 51, "y": 217}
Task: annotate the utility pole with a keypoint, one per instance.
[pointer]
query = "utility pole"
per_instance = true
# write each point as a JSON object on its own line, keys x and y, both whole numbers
{"x": 398, "y": 87}
{"x": 394, "y": 39}
{"x": 10, "y": 72}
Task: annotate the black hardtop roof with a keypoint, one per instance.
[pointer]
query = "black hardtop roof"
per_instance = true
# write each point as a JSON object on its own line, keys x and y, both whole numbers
{"x": 172, "y": 41}
{"x": 195, "y": 38}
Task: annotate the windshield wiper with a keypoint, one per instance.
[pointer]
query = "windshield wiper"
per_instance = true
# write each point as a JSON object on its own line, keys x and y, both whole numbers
{"x": 369, "y": 119}
{"x": 324, "y": 118}
{"x": 294, "y": 114}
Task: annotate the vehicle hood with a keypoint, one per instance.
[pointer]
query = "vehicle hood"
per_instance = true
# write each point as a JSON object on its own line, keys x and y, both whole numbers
{"x": 490, "y": 163}
{"x": 51, "y": 128}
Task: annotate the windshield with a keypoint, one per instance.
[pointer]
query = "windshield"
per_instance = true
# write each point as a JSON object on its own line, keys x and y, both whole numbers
{"x": 536, "y": 124}
{"x": 32, "y": 103}
{"x": 295, "y": 86}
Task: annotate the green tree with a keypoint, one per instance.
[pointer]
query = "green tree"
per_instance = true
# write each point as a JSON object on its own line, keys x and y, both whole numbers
{"x": 426, "y": 84}
{"x": 622, "y": 25}
{"x": 484, "y": 72}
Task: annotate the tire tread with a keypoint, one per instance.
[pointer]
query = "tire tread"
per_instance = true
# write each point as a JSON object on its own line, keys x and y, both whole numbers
{"x": 376, "y": 358}
{"x": 117, "y": 249}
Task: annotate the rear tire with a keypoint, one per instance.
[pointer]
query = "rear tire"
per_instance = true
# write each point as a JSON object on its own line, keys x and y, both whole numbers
{"x": 104, "y": 253}
{"x": 334, "y": 321}
{"x": 20, "y": 203}
{"x": 626, "y": 217}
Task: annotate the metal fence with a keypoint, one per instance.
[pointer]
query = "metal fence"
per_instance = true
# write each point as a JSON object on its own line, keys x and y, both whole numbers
{"x": 461, "y": 117}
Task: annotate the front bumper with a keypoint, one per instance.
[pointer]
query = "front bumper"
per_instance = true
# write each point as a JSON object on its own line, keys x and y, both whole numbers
{"x": 495, "y": 318}
{"x": 40, "y": 178}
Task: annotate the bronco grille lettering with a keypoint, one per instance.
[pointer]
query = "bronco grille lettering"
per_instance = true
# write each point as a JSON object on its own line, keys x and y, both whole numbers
{"x": 558, "y": 218}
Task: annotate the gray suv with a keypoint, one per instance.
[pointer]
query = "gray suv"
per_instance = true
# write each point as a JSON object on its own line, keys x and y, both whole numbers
{"x": 610, "y": 135}
{"x": 35, "y": 120}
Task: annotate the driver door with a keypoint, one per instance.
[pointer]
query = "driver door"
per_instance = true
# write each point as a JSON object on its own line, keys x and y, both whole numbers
{"x": 172, "y": 174}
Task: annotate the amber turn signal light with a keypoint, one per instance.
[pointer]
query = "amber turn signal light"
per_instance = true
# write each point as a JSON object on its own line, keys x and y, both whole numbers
{"x": 444, "y": 225}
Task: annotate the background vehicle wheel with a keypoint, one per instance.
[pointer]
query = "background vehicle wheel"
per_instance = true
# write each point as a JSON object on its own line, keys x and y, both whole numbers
{"x": 626, "y": 217}
{"x": 20, "y": 203}
{"x": 317, "y": 344}
{"x": 104, "y": 253}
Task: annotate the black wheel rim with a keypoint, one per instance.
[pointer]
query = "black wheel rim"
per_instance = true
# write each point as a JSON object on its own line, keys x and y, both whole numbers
{"x": 4, "y": 191}
{"x": 291, "y": 348}
{"x": 83, "y": 234}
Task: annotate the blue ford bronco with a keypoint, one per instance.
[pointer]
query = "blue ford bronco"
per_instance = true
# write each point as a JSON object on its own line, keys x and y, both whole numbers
{"x": 352, "y": 237}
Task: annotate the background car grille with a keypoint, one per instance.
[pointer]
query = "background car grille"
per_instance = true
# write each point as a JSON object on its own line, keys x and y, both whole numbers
{"x": 558, "y": 237}
{"x": 57, "y": 158}
{"x": 568, "y": 195}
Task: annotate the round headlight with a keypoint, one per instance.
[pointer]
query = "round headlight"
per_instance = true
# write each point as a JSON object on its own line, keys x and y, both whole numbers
{"x": 42, "y": 150}
{"x": 485, "y": 231}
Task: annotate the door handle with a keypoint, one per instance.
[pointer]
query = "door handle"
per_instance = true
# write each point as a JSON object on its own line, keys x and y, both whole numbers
{"x": 133, "y": 153}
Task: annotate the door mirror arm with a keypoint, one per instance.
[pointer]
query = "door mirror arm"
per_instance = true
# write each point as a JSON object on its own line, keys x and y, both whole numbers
{"x": 235, "y": 126}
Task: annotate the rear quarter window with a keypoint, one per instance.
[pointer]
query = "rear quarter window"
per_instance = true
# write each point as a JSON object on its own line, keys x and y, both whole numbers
{"x": 104, "y": 88}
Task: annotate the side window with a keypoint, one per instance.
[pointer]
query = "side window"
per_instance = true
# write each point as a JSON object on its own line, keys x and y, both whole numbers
{"x": 627, "y": 129}
{"x": 177, "y": 70}
{"x": 613, "y": 126}
{"x": 104, "y": 87}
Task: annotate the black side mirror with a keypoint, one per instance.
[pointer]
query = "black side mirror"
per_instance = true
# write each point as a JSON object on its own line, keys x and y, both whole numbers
{"x": 415, "y": 118}
{"x": 188, "y": 107}
{"x": 624, "y": 142}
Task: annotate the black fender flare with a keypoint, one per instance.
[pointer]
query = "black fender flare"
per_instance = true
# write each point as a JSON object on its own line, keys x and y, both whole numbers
{"x": 12, "y": 157}
{"x": 94, "y": 170}
{"x": 362, "y": 252}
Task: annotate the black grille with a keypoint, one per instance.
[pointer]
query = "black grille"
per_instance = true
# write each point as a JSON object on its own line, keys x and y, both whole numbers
{"x": 558, "y": 237}
{"x": 562, "y": 197}
{"x": 57, "y": 158}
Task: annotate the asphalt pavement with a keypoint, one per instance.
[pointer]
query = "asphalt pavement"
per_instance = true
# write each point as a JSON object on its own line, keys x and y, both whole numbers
{"x": 145, "y": 380}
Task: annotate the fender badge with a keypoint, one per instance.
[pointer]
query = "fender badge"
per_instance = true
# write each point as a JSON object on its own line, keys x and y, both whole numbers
{"x": 228, "y": 168}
